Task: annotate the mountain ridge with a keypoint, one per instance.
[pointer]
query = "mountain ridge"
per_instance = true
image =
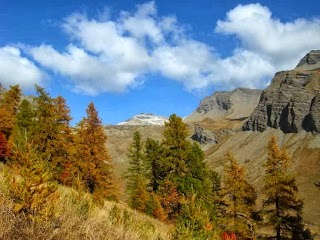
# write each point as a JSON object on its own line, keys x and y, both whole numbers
{"x": 236, "y": 104}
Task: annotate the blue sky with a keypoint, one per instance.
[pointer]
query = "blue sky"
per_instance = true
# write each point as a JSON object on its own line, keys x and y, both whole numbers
{"x": 158, "y": 57}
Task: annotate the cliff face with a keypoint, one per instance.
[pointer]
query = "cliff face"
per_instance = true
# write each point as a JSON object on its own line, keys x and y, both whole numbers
{"x": 235, "y": 104}
{"x": 291, "y": 102}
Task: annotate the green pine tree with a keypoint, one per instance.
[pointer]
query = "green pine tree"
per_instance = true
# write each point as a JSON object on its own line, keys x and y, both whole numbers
{"x": 25, "y": 117}
{"x": 137, "y": 174}
{"x": 153, "y": 159}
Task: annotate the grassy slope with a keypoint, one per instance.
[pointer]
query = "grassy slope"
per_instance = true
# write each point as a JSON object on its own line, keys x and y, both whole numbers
{"x": 77, "y": 217}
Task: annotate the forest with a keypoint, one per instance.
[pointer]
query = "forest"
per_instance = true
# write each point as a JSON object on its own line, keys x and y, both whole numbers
{"x": 44, "y": 159}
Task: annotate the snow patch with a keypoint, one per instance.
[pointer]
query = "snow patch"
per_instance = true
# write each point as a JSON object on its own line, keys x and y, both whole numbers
{"x": 145, "y": 119}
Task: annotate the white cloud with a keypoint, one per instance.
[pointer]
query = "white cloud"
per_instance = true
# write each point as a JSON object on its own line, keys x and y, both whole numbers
{"x": 284, "y": 43}
{"x": 110, "y": 55}
{"x": 16, "y": 69}
{"x": 243, "y": 69}
{"x": 189, "y": 62}
{"x": 91, "y": 74}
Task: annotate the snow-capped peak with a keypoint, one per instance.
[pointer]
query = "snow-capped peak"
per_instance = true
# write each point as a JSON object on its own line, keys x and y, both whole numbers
{"x": 145, "y": 119}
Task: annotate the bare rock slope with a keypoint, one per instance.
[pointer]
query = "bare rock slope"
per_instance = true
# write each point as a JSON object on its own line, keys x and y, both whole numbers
{"x": 235, "y": 104}
{"x": 292, "y": 101}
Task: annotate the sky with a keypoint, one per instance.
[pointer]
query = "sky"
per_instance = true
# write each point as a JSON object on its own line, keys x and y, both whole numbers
{"x": 160, "y": 57}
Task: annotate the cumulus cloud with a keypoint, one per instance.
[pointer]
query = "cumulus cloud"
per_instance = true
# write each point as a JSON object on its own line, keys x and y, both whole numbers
{"x": 107, "y": 55}
{"x": 282, "y": 43}
{"x": 91, "y": 74}
{"x": 16, "y": 69}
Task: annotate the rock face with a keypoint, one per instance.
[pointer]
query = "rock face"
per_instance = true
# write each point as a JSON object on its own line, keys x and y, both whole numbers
{"x": 235, "y": 104}
{"x": 203, "y": 136}
{"x": 310, "y": 62}
{"x": 145, "y": 119}
{"x": 292, "y": 101}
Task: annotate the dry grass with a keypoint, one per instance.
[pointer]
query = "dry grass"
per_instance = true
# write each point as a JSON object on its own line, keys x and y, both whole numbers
{"x": 77, "y": 217}
{"x": 250, "y": 150}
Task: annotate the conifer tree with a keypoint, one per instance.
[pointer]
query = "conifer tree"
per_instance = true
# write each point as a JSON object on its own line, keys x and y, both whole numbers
{"x": 31, "y": 186}
{"x": 8, "y": 111}
{"x": 137, "y": 174}
{"x": 4, "y": 148}
{"x": 170, "y": 199}
{"x": 196, "y": 179}
{"x": 239, "y": 197}
{"x": 136, "y": 156}
{"x": 153, "y": 160}
{"x": 25, "y": 117}
{"x": 180, "y": 170}
{"x": 94, "y": 163}
{"x": 51, "y": 131}
{"x": 175, "y": 147}
{"x": 283, "y": 209}
{"x": 43, "y": 130}
{"x": 63, "y": 150}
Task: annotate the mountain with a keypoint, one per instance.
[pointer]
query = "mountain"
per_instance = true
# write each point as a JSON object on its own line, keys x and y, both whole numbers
{"x": 288, "y": 109}
{"x": 221, "y": 121}
{"x": 236, "y": 104}
{"x": 145, "y": 119}
{"x": 292, "y": 101}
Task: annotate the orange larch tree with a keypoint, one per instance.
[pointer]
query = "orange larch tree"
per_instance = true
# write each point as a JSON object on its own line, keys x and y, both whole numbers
{"x": 94, "y": 163}
{"x": 9, "y": 104}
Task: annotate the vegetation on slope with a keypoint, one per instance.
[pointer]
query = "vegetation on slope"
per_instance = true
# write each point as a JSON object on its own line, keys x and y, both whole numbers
{"x": 57, "y": 180}
{"x": 76, "y": 216}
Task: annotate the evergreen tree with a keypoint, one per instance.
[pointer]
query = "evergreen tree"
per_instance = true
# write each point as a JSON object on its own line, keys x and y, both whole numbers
{"x": 25, "y": 117}
{"x": 175, "y": 147}
{"x": 51, "y": 132}
{"x": 44, "y": 131}
{"x": 153, "y": 160}
{"x": 196, "y": 179}
{"x": 282, "y": 208}
{"x": 239, "y": 198}
{"x": 136, "y": 174}
{"x": 136, "y": 156}
{"x": 180, "y": 170}
{"x": 93, "y": 161}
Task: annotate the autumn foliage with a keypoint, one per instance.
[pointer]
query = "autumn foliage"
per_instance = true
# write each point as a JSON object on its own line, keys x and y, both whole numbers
{"x": 167, "y": 179}
{"x": 43, "y": 150}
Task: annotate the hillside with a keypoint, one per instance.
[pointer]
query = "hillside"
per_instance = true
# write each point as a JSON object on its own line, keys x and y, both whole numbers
{"x": 250, "y": 149}
{"x": 78, "y": 217}
{"x": 288, "y": 109}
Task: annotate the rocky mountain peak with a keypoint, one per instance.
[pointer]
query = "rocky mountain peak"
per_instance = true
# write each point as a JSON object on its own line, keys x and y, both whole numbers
{"x": 235, "y": 104}
{"x": 311, "y": 61}
{"x": 145, "y": 119}
{"x": 291, "y": 102}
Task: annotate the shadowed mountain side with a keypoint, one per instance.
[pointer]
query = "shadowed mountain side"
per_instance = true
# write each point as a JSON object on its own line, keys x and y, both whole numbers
{"x": 291, "y": 102}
